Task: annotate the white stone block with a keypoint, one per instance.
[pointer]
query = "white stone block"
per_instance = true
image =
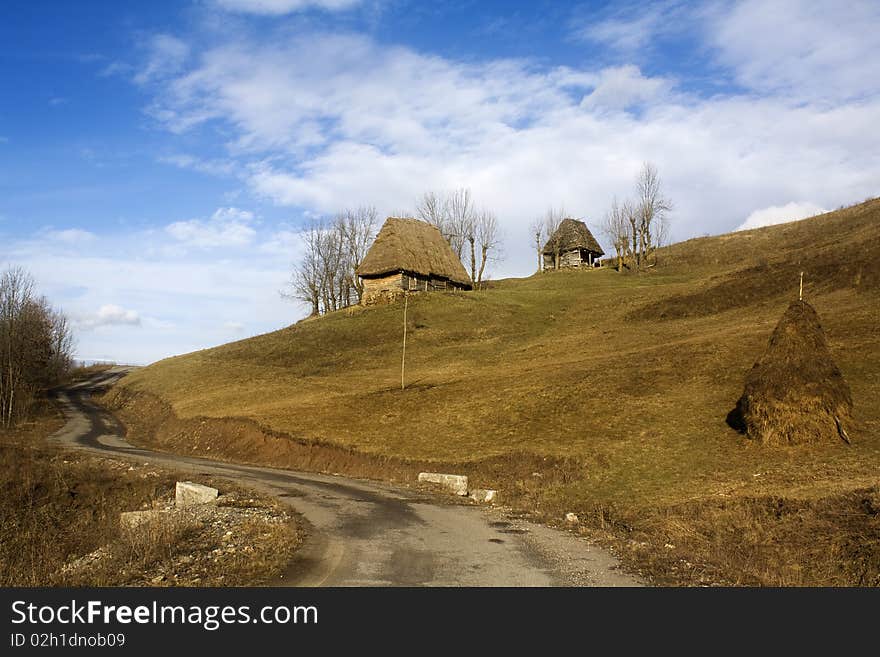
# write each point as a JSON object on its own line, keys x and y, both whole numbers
{"x": 482, "y": 495}
{"x": 458, "y": 484}
{"x": 187, "y": 493}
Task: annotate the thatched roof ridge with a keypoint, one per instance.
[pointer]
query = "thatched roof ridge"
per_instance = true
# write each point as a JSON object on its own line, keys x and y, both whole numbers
{"x": 415, "y": 246}
{"x": 572, "y": 234}
{"x": 795, "y": 393}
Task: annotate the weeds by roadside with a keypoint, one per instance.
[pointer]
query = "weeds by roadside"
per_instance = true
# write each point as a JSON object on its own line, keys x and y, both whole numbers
{"x": 59, "y": 523}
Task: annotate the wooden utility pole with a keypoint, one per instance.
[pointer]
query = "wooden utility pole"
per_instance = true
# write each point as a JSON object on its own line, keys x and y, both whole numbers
{"x": 403, "y": 358}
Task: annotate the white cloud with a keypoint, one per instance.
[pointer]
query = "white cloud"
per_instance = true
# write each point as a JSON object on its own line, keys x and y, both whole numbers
{"x": 235, "y": 327}
{"x": 211, "y": 167}
{"x": 227, "y": 227}
{"x": 780, "y": 214}
{"x": 320, "y": 122}
{"x": 280, "y": 7}
{"x": 317, "y": 122}
{"x": 182, "y": 300}
{"x": 70, "y": 235}
{"x": 820, "y": 50}
{"x": 632, "y": 28}
{"x": 166, "y": 55}
{"x": 287, "y": 243}
{"x": 621, "y": 87}
{"x": 108, "y": 315}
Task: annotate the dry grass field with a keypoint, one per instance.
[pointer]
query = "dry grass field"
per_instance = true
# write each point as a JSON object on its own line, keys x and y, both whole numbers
{"x": 595, "y": 392}
{"x": 59, "y": 522}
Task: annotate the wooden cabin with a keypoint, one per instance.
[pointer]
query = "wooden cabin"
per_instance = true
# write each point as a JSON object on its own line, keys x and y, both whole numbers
{"x": 571, "y": 245}
{"x": 409, "y": 255}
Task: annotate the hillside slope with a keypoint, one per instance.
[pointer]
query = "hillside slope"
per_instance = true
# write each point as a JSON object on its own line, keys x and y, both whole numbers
{"x": 622, "y": 381}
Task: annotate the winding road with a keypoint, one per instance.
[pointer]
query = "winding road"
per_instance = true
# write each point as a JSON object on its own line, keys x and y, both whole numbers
{"x": 364, "y": 533}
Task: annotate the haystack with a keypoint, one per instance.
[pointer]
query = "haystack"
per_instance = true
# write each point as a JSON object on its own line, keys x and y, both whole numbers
{"x": 795, "y": 393}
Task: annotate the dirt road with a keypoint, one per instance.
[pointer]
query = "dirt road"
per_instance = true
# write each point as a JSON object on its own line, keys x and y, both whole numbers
{"x": 368, "y": 534}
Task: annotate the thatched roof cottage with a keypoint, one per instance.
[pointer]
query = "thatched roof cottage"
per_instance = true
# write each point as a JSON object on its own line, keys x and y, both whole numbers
{"x": 410, "y": 254}
{"x": 572, "y": 245}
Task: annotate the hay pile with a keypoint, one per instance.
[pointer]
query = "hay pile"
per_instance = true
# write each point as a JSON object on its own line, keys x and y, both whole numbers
{"x": 795, "y": 393}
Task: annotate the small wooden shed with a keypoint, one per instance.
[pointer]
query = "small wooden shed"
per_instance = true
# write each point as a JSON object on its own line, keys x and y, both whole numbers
{"x": 572, "y": 245}
{"x": 409, "y": 254}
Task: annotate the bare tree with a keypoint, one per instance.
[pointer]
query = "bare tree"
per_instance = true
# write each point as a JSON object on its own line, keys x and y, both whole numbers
{"x": 552, "y": 218}
{"x": 488, "y": 238}
{"x": 453, "y": 214}
{"x": 306, "y": 282}
{"x": 36, "y": 345}
{"x": 326, "y": 276}
{"x": 631, "y": 216}
{"x": 638, "y": 227}
{"x": 536, "y": 232}
{"x": 456, "y": 215}
{"x": 358, "y": 229}
{"x": 431, "y": 207}
{"x": 616, "y": 228}
{"x": 651, "y": 211}
{"x": 462, "y": 223}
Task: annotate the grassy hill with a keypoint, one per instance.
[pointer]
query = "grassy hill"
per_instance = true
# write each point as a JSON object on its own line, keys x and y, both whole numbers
{"x": 613, "y": 388}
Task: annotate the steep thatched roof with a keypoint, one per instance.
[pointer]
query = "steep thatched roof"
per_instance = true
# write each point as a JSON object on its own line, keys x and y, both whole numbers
{"x": 572, "y": 234}
{"x": 795, "y": 393}
{"x": 414, "y": 246}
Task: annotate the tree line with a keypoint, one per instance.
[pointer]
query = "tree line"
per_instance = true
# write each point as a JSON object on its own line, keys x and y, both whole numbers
{"x": 637, "y": 227}
{"x": 36, "y": 345}
{"x": 470, "y": 230}
{"x": 326, "y": 278}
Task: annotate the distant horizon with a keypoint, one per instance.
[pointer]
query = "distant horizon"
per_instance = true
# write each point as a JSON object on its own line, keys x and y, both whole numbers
{"x": 160, "y": 160}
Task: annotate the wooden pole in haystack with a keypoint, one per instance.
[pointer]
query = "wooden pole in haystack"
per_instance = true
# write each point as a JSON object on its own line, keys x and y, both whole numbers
{"x": 801, "y": 291}
{"x": 403, "y": 358}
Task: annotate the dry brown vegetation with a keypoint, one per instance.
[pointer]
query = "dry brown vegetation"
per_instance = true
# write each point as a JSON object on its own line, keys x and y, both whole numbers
{"x": 59, "y": 523}
{"x": 593, "y": 392}
{"x": 795, "y": 393}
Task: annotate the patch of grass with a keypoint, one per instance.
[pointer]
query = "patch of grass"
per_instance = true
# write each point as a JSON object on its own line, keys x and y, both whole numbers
{"x": 59, "y": 522}
{"x": 82, "y": 372}
{"x": 138, "y": 548}
{"x": 624, "y": 379}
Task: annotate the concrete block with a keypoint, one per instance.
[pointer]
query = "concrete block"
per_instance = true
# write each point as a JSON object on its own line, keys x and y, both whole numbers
{"x": 483, "y": 495}
{"x": 187, "y": 493}
{"x": 458, "y": 484}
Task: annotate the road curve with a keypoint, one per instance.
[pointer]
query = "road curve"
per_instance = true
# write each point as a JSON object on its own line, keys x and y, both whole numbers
{"x": 364, "y": 533}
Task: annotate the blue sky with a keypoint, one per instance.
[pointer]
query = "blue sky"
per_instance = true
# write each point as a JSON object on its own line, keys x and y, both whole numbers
{"x": 157, "y": 159}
